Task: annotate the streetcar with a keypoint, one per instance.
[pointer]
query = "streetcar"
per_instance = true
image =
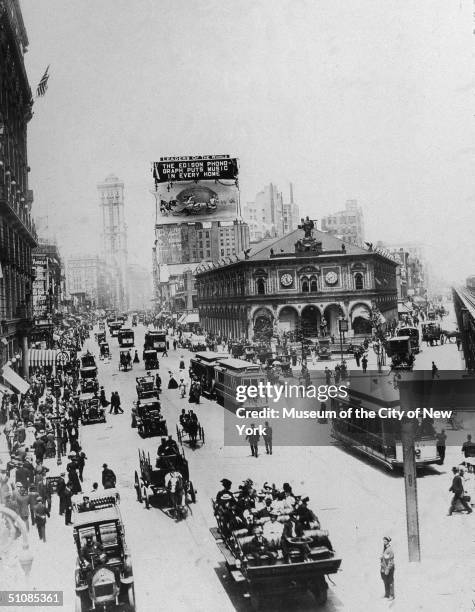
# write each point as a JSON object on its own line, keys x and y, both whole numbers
{"x": 231, "y": 373}
{"x": 413, "y": 334}
{"x": 125, "y": 337}
{"x": 156, "y": 339}
{"x": 379, "y": 438}
{"x": 202, "y": 366}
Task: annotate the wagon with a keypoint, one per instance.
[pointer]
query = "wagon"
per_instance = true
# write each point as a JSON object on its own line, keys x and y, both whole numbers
{"x": 146, "y": 387}
{"x": 150, "y": 359}
{"x": 190, "y": 430}
{"x": 150, "y": 479}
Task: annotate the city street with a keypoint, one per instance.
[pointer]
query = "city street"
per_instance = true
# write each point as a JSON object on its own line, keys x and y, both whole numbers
{"x": 177, "y": 566}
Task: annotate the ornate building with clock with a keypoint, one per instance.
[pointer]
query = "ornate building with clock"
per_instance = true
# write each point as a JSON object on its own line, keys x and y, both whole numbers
{"x": 305, "y": 282}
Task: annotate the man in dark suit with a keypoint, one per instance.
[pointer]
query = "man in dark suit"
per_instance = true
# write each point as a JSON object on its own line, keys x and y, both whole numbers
{"x": 457, "y": 490}
{"x": 260, "y": 548}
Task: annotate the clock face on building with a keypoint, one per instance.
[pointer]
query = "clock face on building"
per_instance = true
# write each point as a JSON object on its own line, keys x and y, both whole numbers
{"x": 286, "y": 280}
{"x": 331, "y": 278}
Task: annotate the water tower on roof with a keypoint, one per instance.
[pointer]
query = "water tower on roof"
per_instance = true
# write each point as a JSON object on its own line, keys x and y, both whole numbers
{"x": 114, "y": 237}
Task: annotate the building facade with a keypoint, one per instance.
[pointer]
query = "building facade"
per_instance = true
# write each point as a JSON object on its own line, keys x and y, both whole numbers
{"x": 180, "y": 247}
{"x": 89, "y": 281}
{"x": 347, "y": 224}
{"x": 47, "y": 291}
{"x": 114, "y": 238}
{"x": 17, "y": 230}
{"x": 298, "y": 283}
{"x": 268, "y": 216}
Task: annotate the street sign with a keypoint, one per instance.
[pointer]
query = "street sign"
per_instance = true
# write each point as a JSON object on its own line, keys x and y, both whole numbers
{"x": 62, "y": 358}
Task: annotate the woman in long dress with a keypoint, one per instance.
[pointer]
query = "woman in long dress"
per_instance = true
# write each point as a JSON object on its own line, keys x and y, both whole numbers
{"x": 172, "y": 383}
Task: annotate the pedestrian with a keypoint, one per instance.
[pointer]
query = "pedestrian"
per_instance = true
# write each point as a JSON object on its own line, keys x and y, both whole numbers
{"x": 174, "y": 344}
{"x": 23, "y": 502}
{"x": 267, "y": 435}
{"x": 441, "y": 440}
{"x": 136, "y": 357}
{"x": 328, "y": 375}
{"x": 182, "y": 388}
{"x": 158, "y": 382}
{"x": 40, "y": 514}
{"x": 112, "y": 403}
{"x": 68, "y": 505}
{"x": 81, "y": 463}
{"x": 60, "y": 490}
{"x": 165, "y": 352}
{"x": 118, "y": 407}
{"x": 459, "y": 493}
{"x": 253, "y": 439}
{"x": 364, "y": 363}
{"x": 387, "y": 568}
{"x": 103, "y": 399}
{"x": 182, "y": 363}
{"x": 468, "y": 447}
{"x": 357, "y": 357}
{"x": 109, "y": 479}
{"x": 435, "y": 371}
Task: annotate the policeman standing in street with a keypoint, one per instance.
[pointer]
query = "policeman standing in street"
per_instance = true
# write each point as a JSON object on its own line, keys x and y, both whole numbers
{"x": 387, "y": 568}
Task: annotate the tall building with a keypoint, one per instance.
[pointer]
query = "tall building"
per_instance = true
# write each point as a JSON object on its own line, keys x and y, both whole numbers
{"x": 413, "y": 276}
{"x": 268, "y": 216}
{"x": 347, "y": 224}
{"x": 114, "y": 237}
{"x": 47, "y": 290}
{"x": 17, "y": 230}
{"x": 89, "y": 281}
{"x": 139, "y": 283}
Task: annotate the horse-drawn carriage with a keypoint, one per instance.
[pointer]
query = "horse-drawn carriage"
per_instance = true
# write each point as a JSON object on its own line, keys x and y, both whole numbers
{"x": 168, "y": 482}
{"x": 104, "y": 577}
{"x": 146, "y": 387}
{"x": 148, "y": 419}
{"x": 189, "y": 429}
{"x": 91, "y": 409}
{"x": 125, "y": 360}
{"x": 431, "y": 332}
{"x": 150, "y": 359}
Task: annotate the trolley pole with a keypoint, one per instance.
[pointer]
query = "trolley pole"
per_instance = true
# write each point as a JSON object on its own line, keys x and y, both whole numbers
{"x": 410, "y": 485}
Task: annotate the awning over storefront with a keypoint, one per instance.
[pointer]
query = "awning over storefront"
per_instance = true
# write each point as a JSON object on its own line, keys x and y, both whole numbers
{"x": 14, "y": 380}
{"x": 42, "y": 357}
{"x": 361, "y": 311}
{"x": 192, "y": 317}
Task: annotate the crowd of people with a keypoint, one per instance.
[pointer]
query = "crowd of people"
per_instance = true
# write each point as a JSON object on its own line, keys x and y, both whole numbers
{"x": 281, "y": 522}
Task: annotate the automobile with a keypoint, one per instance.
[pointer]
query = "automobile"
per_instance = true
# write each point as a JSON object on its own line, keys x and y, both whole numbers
{"x": 91, "y": 409}
{"x": 147, "y": 417}
{"x": 100, "y": 337}
{"x": 299, "y": 567}
{"x": 89, "y": 382}
{"x": 146, "y": 387}
{"x": 324, "y": 349}
{"x": 126, "y": 337}
{"x": 150, "y": 359}
{"x": 104, "y": 576}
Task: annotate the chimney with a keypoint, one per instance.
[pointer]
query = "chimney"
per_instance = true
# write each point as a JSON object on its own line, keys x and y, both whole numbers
{"x": 291, "y": 193}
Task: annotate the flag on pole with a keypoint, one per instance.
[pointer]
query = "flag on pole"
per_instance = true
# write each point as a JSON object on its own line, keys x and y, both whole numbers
{"x": 43, "y": 84}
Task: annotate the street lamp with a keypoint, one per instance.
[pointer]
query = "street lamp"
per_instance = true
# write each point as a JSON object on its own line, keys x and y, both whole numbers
{"x": 342, "y": 328}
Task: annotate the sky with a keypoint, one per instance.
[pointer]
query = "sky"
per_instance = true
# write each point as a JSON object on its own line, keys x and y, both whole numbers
{"x": 355, "y": 99}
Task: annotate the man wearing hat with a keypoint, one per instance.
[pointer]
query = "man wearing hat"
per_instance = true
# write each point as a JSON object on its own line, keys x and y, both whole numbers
{"x": 226, "y": 491}
{"x": 60, "y": 488}
{"x": 162, "y": 448}
{"x": 40, "y": 512}
{"x": 273, "y": 530}
{"x": 387, "y": 568}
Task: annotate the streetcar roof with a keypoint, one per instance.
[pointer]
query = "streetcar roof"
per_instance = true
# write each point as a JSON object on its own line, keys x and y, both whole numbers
{"x": 239, "y": 364}
{"x": 211, "y": 356}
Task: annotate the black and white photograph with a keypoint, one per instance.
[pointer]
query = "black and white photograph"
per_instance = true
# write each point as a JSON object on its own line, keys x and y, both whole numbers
{"x": 237, "y": 305}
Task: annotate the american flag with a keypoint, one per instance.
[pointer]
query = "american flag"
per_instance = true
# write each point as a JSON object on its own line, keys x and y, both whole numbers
{"x": 43, "y": 84}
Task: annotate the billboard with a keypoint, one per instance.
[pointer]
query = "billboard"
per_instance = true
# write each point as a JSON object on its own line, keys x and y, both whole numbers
{"x": 196, "y": 189}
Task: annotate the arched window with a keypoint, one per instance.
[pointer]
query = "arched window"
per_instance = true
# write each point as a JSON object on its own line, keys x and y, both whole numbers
{"x": 313, "y": 284}
{"x": 305, "y": 284}
{"x": 358, "y": 281}
{"x": 261, "y": 286}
